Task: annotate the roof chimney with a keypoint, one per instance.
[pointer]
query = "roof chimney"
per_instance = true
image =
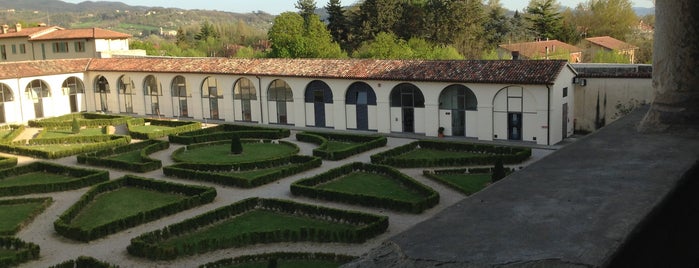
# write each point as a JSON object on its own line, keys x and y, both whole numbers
{"x": 18, "y": 27}
{"x": 5, "y": 28}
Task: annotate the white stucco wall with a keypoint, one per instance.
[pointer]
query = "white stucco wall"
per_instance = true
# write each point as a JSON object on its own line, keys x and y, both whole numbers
{"x": 618, "y": 93}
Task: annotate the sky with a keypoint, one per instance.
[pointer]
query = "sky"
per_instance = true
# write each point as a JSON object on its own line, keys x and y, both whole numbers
{"x": 279, "y": 6}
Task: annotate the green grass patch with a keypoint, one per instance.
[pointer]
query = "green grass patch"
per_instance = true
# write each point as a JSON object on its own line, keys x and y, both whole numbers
{"x": 255, "y": 221}
{"x": 48, "y": 134}
{"x": 427, "y": 154}
{"x": 465, "y": 183}
{"x": 122, "y": 203}
{"x": 336, "y": 146}
{"x": 126, "y": 202}
{"x": 16, "y": 213}
{"x": 284, "y": 260}
{"x": 368, "y": 185}
{"x": 44, "y": 177}
{"x": 220, "y": 152}
{"x": 371, "y": 184}
{"x": 339, "y": 145}
{"x": 133, "y": 157}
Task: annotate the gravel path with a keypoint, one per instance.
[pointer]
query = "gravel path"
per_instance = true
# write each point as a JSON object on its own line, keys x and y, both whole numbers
{"x": 56, "y": 249}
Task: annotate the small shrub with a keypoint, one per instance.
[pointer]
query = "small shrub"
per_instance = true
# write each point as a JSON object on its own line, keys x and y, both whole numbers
{"x": 75, "y": 126}
{"x": 236, "y": 146}
{"x": 498, "y": 171}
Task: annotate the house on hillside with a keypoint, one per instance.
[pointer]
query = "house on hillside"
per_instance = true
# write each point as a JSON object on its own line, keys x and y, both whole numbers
{"x": 52, "y": 42}
{"x": 540, "y": 50}
{"x": 529, "y": 101}
{"x": 607, "y": 44}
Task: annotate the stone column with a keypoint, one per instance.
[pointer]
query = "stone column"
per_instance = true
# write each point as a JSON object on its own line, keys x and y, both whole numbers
{"x": 675, "y": 63}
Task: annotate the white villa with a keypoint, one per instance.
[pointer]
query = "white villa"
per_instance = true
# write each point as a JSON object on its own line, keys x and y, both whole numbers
{"x": 522, "y": 100}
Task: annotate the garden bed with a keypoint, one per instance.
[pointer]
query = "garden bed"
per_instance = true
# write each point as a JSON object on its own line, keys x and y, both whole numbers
{"x": 89, "y": 120}
{"x": 227, "y": 131}
{"x": 368, "y": 185}
{"x": 244, "y": 175}
{"x": 84, "y": 262}
{"x": 17, "y": 213}
{"x": 253, "y": 221}
{"x": 336, "y": 146}
{"x": 133, "y": 157}
{"x": 44, "y": 177}
{"x": 428, "y": 153}
{"x": 144, "y": 129}
{"x": 61, "y": 147}
{"x": 219, "y": 152}
{"x": 127, "y": 202}
{"x": 14, "y": 251}
{"x": 283, "y": 259}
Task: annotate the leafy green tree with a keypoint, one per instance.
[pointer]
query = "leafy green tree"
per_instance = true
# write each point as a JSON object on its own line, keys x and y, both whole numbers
{"x": 611, "y": 56}
{"x": 413, "y": 20}
{"x": 338, "y": 24}
{"x": 384, "y": 46}
{"x": 291, "y": 39}
{"x": 497, "y": 25}
{"x": 545, "y": 19}
{"x": 207, "y": 31}
{"x": 376, "y": 16}
{"x": 306, "y": 8}
{"x": 614, "y": 18}
{"x": 75, "y": 127}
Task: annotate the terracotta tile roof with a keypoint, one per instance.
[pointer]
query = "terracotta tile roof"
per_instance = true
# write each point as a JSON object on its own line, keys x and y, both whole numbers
{"x": 27, "y": 32}
{"x": 90, "y": 33}
{"x": 610, "y": 43}
{"x": 533, "y": 50}
{"x": 42, "y": 67}
{"x": 501, "y": 71}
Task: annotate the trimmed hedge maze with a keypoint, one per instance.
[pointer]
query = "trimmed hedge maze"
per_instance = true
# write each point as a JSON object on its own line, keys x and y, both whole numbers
{"x": 144, "y": 129}
{"x": 84, "y": 262}
{"x": 53, "y": 148}
{"x": 44, "y": 177}
{"x": 428, "y": 153}
{"x": 17, "y": 213}
{"x": 244, "y": 175}
{"x": 150, "y": 200}
{"x": 254, "y": 221}
{"x": 295, "y": 259}
{"x": 133, "y": 157}
{"x": 336, "y": 146}
{"x": 89, "y": 120}
{"x": 219, "y": 152}
{"x": 226, "y": 132}
{"x": 17, "y": 251}
{"x": 9, "y": 132}
{"x": 7, "y": 162}
{"x": 368, "y": 185}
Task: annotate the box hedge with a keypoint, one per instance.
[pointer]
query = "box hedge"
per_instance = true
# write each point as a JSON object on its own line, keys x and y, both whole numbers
{"x": 363, "y": 143}
{"x": 226, "y": 132}
{"x": 83, "y": 178}
{"x": 146, "y": 163}
{"x": 485, "y": 154}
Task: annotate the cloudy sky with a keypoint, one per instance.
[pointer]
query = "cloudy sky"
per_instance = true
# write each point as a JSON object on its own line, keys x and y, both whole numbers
{"x": 279, "y": 6}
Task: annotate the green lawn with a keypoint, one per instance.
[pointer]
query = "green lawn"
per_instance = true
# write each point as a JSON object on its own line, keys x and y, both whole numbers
{"x": 6, "y": 253}
{"x": 121, "y": 203}
{"x": 133, "y": 157}
{"x": 149, "y": 128}
{"x": 221, "y": 153}
{"x": 467, "y": 183}
{"x": 67, "y": 133}
{"x": 5, "y": 133}
{"x": 33, "y": 178}
{"x": 289, "y": 264}
{"x": 16, "y": 214}
{"x": 372, "y": 184}
{"x": 339, "y": 145}
{"x": 424, "y": 153}
{"x": 254, "y": 174}
{"x": 255, "y": 221}
{"x": 57, "y": 147}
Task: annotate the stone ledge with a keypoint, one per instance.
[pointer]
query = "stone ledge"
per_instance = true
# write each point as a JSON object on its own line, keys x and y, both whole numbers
{"x": 576, "y": 207}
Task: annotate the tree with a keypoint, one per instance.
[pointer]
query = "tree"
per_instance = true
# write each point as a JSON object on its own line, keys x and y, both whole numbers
{"x": 384, "y": 46}
{"x": 75, "y": 126}
{"x": 498, "y": 171}
{"x": 376, "y": 16}
{"x": 207, "y": 31}
{"x": 338, "y": 25}
{"x": 306, "y": 8}
{"x": 496, "y": 26}
{"x": 545, "y": 19}
{"x": 236, "y": 146}
{"x": 291, "y": 37}
{"x": 614, "y": 18}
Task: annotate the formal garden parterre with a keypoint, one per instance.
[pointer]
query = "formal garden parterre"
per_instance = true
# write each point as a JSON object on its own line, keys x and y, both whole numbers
{"x": 206, "y": 155}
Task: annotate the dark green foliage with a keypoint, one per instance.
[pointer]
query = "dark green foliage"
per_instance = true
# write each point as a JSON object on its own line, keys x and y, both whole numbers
{"x": 83, "y": 178}
{"x": 236, "y": 146}
{"x": 7, "y": 162}
{"x": 89, "y": 120}
{"x": 89, "y": 143}
{"x": 217, "y": 173}
{"x": 196, "y": 196}
{"x": 75, "y": 127}
{"x": 23, "y": 251}
{"x": 175, "y": 127}
{"x": 84, "y": 262}
{"x": 364, "y": 143}
{"x": 485, "y": 154}
{"x": 15, "y": 131}
{"x": 546, "y": 21}
{"x": 150, "y": 245}
{"x": 147, "y": 147}
{"x": 498, "y": 171}
{"x": 44, "y": 203}
{"x": 226, "y": 131}
{"x": 307, "y": 187}
{"x": 279, "y": 256}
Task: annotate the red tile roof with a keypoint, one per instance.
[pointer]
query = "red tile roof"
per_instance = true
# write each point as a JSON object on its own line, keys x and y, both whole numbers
{"x": 27, "y": 32}
{"x": 42, "y": 67}
{"x": 610, "y": 43}
{"x": 501, "y": 71}
{"x": 533, "y": 50}
{"x": 89, "y": 33}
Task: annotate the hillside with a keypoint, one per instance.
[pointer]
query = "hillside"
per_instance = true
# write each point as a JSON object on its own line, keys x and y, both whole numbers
{"x": 135, "y": 20}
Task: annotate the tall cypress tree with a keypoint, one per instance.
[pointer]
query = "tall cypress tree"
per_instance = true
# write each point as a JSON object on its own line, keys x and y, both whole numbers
{"x": 306, "y": 8}
{"x": 338, "y": 25}
{"x": 545, "y": 19}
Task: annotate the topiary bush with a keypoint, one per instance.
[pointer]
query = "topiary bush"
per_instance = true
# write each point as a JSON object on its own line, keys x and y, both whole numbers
{"x": 236, "y": 146}
{"x": 498, "y": 171}
{"x": 75, "y": 127}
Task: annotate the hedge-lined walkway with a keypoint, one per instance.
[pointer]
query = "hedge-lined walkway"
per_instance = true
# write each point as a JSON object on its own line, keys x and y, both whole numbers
{"x": 56, "y": 249}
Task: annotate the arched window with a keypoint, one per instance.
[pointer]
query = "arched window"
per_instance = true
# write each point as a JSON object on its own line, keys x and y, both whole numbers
{"x": 6, "y": 94}
{"x": 179, "y": 87}
{"x": 151, "y": 86}
{"x": 407, "y": 95}
{"x": 279, "y": 90}
{"x": 244, "y": 90}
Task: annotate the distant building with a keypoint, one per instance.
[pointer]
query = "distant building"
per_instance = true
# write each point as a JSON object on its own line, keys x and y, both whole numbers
{"x": 52, "y": 42}
{"x": 541, "y": 50}
{"x": 594, "y": 45}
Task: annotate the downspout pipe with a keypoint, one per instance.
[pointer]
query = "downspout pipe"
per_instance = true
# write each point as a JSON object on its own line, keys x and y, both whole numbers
{"x": 548, "y": 115}
{"x": 259, "y": 84}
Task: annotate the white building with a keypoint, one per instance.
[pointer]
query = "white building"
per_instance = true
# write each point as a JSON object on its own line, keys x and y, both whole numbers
{"x": 485, "y": 100}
